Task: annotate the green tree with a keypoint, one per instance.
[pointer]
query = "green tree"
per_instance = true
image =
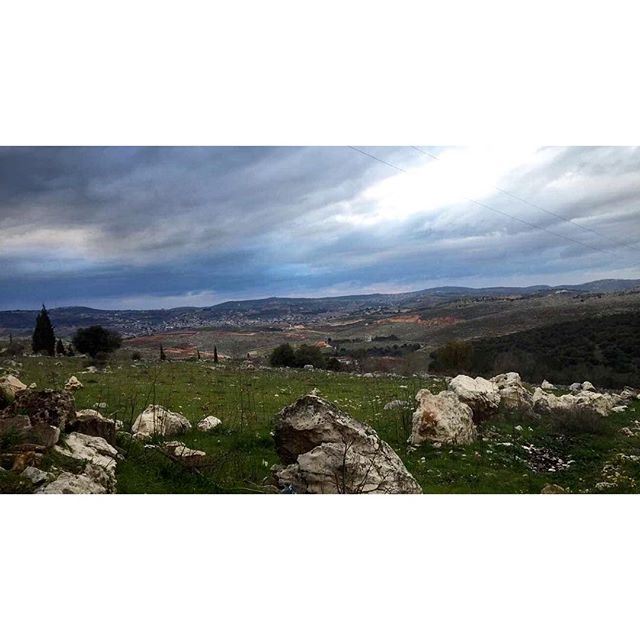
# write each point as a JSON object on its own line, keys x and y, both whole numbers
{"x": 283, "y": 356}
{"x": 215, "y": 354}
{"x": 96, "y": 339}
{"x": 163, "y": 355}
{"x": 60, "y": 350}
{"x": 454, "y": 357}
{"x": 308, "y": 354}
{"x": 43, "y": 339}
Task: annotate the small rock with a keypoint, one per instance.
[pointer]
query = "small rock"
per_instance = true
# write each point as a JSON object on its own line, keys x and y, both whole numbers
{"x": 547, "y": 386}
{"x": 180, "y": 450}
{"x": 396, "y": 404}
{"x": 34, "y": 475}
{"x": 9, "y": 387}
{"x": 73, "y": 384}
{"x": 553, "y": 488}
{"x": 156, "y": 420}
{"x": 209, "y": 423}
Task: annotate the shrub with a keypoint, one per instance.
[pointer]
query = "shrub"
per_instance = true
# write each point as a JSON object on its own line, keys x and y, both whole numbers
{"x": 308, "y": 354}
{"x": 286, "y": 356}
{"x": 60, "y": 350}
{"x": 96, "y": 339}
{"x": 454, "y": 356}
{"x": 14, "y": 349}
{"x": 283, "y": 356}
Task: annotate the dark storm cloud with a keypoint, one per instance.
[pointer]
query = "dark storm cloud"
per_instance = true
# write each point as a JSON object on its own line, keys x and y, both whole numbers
{"x": 166, "y": 226}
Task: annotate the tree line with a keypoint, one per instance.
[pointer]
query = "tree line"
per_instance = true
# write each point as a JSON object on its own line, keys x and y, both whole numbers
{"x": 95, "y": 341}
{"x": 287, "y": 356}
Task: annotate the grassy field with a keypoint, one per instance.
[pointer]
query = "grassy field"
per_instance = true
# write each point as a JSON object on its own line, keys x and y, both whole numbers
{"x": 501, "y": 461}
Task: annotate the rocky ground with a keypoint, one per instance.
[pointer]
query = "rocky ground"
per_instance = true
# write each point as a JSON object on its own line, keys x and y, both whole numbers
{"x": 67, "y": 427}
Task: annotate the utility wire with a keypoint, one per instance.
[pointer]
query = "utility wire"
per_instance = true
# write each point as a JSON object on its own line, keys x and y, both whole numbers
{"x": 393, "y": 166}
{"x": 490, "y": 208}
{"x": 615, "y": 241}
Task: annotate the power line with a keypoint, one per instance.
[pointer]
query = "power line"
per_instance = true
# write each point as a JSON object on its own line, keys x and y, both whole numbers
{"x": 615, "y": 241}
{"x": 490, "y": 208}
{"x": 393, "y": 166}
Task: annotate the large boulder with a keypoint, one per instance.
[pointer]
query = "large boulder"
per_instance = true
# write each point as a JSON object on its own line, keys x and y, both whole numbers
{"x": 98, "y": 460}
{"x": 328, "y": 451}
{"x": 600, "y": 403}
{"x": 442, "y": 418}
{"x": 9, "y": 387}
{"x": 93, "y": 481}
{"x": 24, "y": 431}
{"x": 156, "y": 420}
{"x": 544, "y": 402}
{"x": 90, "y": 449}
{"x": 483, "y": 396}
{"x": 45, "y": 408}
{"x": 93, "y": 423}
{"x": 514, "y": 396}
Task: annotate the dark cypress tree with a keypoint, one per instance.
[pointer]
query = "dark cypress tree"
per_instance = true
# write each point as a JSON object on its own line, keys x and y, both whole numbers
{"x": 60, "y": 350}
{"x": 163, "y": 355}
{"x": 43, "y": 339}
{"x": 198, "y": 353}
{"x": 215, "y": 354}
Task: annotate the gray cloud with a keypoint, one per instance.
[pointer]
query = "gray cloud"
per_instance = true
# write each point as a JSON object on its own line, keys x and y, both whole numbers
{"x": 149, "y": 226}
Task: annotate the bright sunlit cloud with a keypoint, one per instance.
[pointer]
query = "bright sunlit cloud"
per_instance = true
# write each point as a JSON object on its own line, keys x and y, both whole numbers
{"x": 458, "y": 174}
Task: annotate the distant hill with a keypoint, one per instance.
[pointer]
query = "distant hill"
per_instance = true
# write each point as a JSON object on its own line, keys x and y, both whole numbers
{"x": 282, "y": 310}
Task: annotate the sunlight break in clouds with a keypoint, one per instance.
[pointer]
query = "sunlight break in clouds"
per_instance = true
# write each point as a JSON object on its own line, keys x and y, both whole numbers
{"x": 458, "y": 174}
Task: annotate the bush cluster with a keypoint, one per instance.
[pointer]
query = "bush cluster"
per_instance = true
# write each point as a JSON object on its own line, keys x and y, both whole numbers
{"x": 605, "y": 350}
{"x": 286, "y": 356}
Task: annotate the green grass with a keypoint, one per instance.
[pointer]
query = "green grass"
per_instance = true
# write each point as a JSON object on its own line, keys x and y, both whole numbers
{"x": 247, "y": 401}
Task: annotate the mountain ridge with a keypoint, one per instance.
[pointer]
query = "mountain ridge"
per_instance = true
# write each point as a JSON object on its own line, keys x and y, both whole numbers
{"x": 292, "y": 310}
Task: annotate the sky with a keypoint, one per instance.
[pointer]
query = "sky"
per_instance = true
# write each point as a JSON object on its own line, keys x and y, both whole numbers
{"x": 154, "y": 227}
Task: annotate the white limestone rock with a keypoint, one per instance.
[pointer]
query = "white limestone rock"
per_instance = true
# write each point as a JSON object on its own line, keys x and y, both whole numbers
{"x": 483, "y": 396}
{"x": 156, "y": 420}
{"x": 442, "y": 418}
